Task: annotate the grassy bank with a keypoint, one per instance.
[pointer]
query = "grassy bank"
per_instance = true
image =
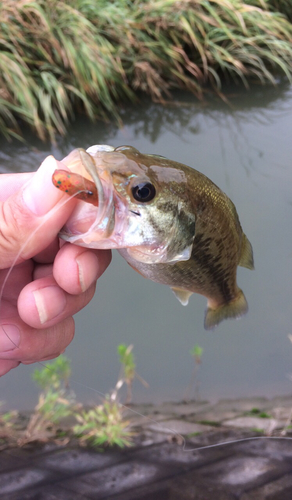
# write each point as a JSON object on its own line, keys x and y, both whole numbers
{"x": 58, "y": 58}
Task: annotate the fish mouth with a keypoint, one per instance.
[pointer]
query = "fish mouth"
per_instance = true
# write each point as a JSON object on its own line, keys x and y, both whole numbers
{"x": 92, "y": 226}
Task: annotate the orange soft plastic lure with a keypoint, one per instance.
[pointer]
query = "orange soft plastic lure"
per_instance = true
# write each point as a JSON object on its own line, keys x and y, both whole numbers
{"x": 76, "y": 185}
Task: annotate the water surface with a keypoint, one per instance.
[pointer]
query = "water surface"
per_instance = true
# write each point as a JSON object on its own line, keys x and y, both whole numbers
{"x": 246, "y": 149}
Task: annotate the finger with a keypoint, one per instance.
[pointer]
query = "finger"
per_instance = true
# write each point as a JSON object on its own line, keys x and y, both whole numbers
{"x": 7, "y": 365}
{"x": 77, "y": 268}
{"x": 11, "y": 183}
{"x": 42, "y": 271}
{"x": 20, "y": 343}
{"x": 42, "y": 303}
{"x": 48, "y": 254}
{"x": 32, "y": 217}
{"x": 12, "y": 282}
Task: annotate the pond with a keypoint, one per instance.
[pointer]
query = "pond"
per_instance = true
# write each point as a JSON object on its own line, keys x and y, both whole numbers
{"x": 246, "y": 149}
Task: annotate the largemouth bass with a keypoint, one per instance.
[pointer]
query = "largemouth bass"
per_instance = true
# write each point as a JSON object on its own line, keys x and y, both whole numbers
{"x": 170, "y": 222}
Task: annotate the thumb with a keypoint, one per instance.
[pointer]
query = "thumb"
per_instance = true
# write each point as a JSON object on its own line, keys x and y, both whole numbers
{"x": 31, "y": 218}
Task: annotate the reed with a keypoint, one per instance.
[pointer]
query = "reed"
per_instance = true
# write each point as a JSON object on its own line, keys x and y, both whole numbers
{"x": 59, "y": 58}
{"x": 283, "y": 6}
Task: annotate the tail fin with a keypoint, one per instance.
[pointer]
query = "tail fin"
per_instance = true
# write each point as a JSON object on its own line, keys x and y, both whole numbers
{"x": 233, "y": 309}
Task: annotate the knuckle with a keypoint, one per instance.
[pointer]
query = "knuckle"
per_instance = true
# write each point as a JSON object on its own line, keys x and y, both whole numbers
{"x": 63, "y": 334}
{"x": 86, "y": 297}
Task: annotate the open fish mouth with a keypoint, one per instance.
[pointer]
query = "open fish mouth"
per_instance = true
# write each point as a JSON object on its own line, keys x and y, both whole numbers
{"x": 108, "y": 180}
{"x": 96, "y": 223}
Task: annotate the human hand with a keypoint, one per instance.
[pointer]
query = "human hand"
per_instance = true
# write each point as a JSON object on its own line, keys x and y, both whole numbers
{"x": 47, "y": 283}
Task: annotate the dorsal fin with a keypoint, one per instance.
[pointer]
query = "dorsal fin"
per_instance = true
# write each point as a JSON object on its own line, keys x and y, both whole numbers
{"x": 246, "y": 257}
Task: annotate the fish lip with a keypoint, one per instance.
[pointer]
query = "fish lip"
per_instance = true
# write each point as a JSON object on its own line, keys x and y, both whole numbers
{"x": 105, "y": 225}
{"x": 106, "y": 231}
{"x": 99, "y": 147}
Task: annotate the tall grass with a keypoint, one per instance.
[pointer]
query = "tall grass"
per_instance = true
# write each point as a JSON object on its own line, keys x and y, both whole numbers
{"x": 60, "y": 57}
{"x": 283, "y": 6}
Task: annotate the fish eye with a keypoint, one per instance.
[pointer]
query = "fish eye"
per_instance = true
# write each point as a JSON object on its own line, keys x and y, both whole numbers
{"x": 145, "y": 191}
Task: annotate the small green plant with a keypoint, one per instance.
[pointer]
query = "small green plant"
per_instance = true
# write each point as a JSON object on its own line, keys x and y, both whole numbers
{"x": 7, "y": 427}
{"x": 193, "y": 434}
{"x": 259, "y": 413}
{"x": 257, "y": 430}
{"x": 196, "y": 352}
{"x": 254, "y": 411}
{"x": 128, "y": 370}
{"x": 54, "y": 375}
{"x": 264, "y": 414}
{"x": 55, "y": 401}
{"x": 213, "y": 423}
{"x": 103, "y": 425}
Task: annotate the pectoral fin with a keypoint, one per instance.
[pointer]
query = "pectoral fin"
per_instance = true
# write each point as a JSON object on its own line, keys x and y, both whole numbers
{"x": 182, "y": 295}
{"x": 246, "y": 257}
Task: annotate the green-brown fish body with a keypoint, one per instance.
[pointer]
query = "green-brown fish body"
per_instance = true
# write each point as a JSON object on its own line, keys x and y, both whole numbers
{"x": 170, "y": 222}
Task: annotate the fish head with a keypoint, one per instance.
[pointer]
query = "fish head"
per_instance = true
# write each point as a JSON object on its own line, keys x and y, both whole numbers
{"x": 143, "y": 205}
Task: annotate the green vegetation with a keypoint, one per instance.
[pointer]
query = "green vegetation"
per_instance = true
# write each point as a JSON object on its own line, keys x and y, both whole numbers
{"x": 254, "y": 411}
{"x": 8, "y": 422}
{"x": 128, "y": 370}
{"x": 213, "y": 423}
{"x": 58, "y": 417}
{"x": 283, "y": 6}
{"x": 259, "y": 413}
{"x": 196, "y": 352}
{"x": 264, "y": 414}
{"x": 103, "y": 425}
{"x": 56, "y": 402}
{"x": 58, "y": 57}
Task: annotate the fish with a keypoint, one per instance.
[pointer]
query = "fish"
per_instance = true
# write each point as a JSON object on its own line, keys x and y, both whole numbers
{"x": 170, "y": 222}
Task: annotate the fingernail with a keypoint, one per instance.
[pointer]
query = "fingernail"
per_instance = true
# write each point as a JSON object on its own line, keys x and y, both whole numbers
{"x": 50, "y": 302}
{"x": 88, "y": 266}
{"x": 81, "y": 274}
{"x": 39, "y": 194}
{"x": 9, "y": 337}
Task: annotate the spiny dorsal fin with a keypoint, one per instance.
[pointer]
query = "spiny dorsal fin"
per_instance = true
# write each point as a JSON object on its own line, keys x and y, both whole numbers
{"x": 182, "y": 295}
{"x": 246, "y": 257}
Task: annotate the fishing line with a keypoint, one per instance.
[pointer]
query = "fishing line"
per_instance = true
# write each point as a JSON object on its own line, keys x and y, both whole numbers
{"x": 163, "y": 428}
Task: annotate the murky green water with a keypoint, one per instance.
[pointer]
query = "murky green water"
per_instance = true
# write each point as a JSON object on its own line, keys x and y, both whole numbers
{"x": 246, "y": 149}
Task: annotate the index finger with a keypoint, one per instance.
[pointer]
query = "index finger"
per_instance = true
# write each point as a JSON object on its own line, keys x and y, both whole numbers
{"x": 11, "y": 183}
